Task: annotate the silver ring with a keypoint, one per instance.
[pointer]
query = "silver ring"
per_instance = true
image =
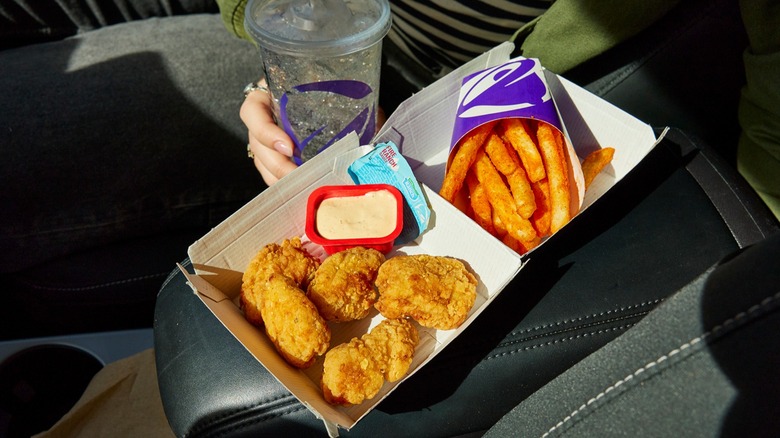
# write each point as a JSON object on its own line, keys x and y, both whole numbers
{"x": 254, "y": 86}
{"x": 249, "y": 152}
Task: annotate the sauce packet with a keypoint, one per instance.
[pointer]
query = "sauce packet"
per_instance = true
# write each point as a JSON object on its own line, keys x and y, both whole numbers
{"x": 385, "y": 165}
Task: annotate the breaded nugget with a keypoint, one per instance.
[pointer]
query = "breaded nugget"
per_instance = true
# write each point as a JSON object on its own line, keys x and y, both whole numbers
{"x": 355, "y": 371}
{"x": 289, "y": 259}
{"x": 292, "y": 322}
{"x": 343, "y": 286}
{"x": 350, "y": 375}
{"x": 435, "y": 291}
{"x": 393, "y": 342}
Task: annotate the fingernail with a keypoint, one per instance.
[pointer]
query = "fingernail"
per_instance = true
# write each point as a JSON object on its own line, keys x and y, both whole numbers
{"x": 282, "y": 148}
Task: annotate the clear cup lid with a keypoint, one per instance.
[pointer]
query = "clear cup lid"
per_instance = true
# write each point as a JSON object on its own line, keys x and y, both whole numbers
{"x": 317, "y": 27}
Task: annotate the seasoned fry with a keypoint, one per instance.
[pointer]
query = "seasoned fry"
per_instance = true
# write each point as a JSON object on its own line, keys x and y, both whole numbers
{"x": 557, "y": 176}
{"x": 527, "y": 246}
{"x": 595, "y": 162}
{"x": 521, "y": 247}
{"x": 516, "y": 134}
{"x": 463, "y": 159}
{"x": 501, "y": 199}
{"x": 480, "y": 205}
{"x": 463, "y": 203}
{"x": 522, "y": 192}
{"x": 567, "y": 167}
{"x": 500, "y": 156}
{"x": 541, "y": 216}
{"x": 507, "y": 162}
{"x": 498, "y": 226}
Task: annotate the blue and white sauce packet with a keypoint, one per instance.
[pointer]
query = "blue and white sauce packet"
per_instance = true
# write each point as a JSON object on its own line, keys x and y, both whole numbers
{"x": 385, "y": 165}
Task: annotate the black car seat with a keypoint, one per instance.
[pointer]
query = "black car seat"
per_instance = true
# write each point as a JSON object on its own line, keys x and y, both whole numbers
{"x": 680, "y": 211}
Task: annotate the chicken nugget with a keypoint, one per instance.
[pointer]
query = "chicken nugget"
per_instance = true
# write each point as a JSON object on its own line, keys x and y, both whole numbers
{"x": 355, "y": 371}
{"x": 289, "y": 259}
{"x": 435, "y": 291}
{"x": 343, "y": 285}
{"x": 393, "y": 342}
{"x": 292, "y": 322}
{"x": 350, "y": 375}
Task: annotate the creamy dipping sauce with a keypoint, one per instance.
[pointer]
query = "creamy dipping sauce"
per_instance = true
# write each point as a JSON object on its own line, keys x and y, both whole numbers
{"x": 354, "y": 217}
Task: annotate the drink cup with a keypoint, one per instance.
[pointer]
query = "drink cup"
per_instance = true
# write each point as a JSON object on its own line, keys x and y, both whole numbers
{"x": 321, "y": 59}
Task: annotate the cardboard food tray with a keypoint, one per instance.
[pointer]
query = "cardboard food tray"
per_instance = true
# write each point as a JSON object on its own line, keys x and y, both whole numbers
{"x": 421, "y": 127}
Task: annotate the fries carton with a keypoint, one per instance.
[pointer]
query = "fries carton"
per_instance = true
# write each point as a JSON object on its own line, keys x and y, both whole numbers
{"x": 506, "y": 141}
{"x": 422, "y": 128}
{"x": 516, "y": 88}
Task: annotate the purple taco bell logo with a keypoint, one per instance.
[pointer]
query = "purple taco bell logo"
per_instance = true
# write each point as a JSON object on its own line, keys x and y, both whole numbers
{"x": 514, "y": 89}
{"x": 346, "y": 97}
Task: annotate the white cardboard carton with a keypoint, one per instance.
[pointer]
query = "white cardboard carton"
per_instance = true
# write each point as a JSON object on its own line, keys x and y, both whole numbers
{"x": 421, "y": 127}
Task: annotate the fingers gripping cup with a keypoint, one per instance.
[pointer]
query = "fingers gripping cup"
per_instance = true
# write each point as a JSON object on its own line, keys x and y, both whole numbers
{"x": 322, "y": 62}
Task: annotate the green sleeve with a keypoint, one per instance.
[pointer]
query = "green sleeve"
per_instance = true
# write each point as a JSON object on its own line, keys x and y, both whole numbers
{"x": 573, "y": 31}
{"x": 232, "y": 12}
{"x": 758, "y": 152}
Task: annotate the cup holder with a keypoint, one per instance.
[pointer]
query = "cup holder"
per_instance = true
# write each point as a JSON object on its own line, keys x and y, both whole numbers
{"x": 40, "y": 384}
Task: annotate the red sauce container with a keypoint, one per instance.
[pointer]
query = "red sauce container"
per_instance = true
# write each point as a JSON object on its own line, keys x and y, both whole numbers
{"x": 381, "y": 243}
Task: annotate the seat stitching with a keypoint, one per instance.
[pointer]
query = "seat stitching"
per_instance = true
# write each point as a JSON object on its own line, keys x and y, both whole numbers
{"x": 701, "y": 339}
{"x": 594, "y": 326}
{"x": 587, "y": 317}
{"x": 558, "y": 341}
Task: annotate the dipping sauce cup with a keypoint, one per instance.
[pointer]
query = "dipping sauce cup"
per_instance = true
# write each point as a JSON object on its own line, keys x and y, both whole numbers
{"x": 345, "y": 216}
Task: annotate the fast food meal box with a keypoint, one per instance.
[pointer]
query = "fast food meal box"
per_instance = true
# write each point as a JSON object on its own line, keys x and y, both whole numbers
{"x": 421, "y": 128}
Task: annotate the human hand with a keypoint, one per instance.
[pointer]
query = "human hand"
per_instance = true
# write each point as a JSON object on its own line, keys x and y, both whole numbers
{"x": 268, "y": 144}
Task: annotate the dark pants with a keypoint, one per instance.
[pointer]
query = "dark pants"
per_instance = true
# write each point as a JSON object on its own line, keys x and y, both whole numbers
{"x": 24, "y": 22}
{"x": 118, "y": 132}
